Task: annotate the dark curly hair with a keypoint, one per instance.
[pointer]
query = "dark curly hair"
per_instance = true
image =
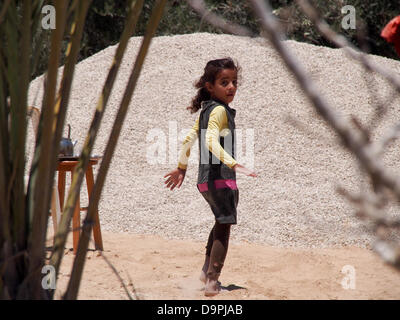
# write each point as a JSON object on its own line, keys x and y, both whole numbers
{"x": 210, "y": 74}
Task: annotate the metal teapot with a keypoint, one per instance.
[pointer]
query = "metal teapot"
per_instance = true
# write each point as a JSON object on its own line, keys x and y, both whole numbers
{"x": 66, "y": 145}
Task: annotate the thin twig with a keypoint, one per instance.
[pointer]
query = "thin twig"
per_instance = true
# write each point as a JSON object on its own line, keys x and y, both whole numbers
{"x": 388, "y": 137}
{"x": 382, "y": 109}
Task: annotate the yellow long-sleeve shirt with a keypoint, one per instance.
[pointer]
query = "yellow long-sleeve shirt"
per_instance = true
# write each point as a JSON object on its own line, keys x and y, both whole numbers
{"x": 217, "y": 122}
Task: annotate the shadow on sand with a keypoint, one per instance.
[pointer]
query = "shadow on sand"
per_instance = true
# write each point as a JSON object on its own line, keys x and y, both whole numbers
{"x": 232, "y": 287}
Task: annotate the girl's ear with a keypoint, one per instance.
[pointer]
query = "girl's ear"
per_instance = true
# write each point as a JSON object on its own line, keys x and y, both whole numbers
{"x": 209, "y": 87}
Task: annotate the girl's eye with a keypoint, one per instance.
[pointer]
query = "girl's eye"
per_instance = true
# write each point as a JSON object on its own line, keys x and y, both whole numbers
{"x": 235, "y": 83}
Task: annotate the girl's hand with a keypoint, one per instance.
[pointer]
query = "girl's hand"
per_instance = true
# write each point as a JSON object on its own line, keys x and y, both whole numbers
{"x": 241, "y": 169}
{"x": 175, "y": 178}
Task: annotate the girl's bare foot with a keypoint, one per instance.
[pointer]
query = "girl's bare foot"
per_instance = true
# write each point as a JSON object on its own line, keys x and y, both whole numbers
{"x": 203, "y": 278}
{"x": 212, "y": 288}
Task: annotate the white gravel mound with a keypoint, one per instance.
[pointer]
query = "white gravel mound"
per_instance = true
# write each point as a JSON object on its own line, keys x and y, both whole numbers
{"x": 293, "y": 201}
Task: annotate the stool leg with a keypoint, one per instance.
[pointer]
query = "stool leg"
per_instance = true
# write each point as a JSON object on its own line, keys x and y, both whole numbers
{"x": 98, "y": 241}
{"x": 61, "y": 188}
{"x": 76, "y": 223}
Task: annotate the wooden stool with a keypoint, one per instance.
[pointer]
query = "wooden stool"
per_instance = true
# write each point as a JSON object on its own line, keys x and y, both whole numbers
{"x": 69, "y": 165}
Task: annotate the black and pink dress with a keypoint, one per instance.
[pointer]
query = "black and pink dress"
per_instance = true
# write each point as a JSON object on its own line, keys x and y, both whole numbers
{"x": 216, "y": 181}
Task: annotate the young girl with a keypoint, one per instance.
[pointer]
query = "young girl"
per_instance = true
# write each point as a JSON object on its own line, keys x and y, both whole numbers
{"x": 217, "y": 165}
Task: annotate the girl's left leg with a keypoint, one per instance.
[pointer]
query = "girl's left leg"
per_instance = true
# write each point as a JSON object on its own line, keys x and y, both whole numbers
{"x": 221, "y": 233}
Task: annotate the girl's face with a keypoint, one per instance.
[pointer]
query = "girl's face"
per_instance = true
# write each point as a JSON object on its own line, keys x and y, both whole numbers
{"x": 224, "y": 88}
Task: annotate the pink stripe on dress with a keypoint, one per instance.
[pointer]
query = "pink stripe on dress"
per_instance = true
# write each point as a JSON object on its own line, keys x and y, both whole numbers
{"x": 219, "y": 184}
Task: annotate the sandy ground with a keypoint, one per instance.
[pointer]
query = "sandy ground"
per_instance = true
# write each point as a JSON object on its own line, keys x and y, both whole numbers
{"x": 155, "y": 268}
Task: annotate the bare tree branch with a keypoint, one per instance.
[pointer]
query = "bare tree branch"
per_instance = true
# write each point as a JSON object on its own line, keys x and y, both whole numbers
{"x": 354, "y": 140}
{"x": 371, "y": 207}
{"x": 341, "y": 42}
{"x": 388, "y": 137}
{"x": 389, "y": 252}
{"x": 352, "y": 51}
{"x": 381, "y": 109}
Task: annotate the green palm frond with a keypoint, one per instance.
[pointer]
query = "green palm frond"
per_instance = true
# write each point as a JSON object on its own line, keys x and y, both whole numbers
{"x": 77, "y": 269}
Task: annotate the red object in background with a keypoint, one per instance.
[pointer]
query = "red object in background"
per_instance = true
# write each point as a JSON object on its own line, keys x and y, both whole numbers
{"x": 391, "y": 33}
